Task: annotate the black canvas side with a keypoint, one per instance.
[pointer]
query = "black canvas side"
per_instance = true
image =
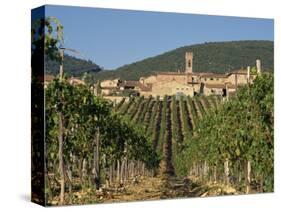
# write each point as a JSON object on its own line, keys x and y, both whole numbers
{"x": 37, "y": 114}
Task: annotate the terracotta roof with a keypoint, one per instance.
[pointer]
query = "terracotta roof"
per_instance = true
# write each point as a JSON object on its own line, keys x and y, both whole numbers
{"x": 213, "y": 75}
{"x": 215, "y": 86}
{"x": 129, "y": 83}
{"x": 196, "y": 73}
{"x": 207, "y": 74}
{"x": 171, "y": 73}
{"x": 166, "y": 82}
{"x": 193, "y": 83}
{"x": 229, "y": 85}
{"x": 147, "y": 87}
{"x": 240, "y": 72}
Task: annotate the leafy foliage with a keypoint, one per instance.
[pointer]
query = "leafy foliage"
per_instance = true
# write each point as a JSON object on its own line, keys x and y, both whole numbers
{"x": 87, "y": 118}
{"x": 240, "y": 130}
{"x": 217, "y": 57}
{"x": 46, "y": 36}
{"x": 72, "y": 66}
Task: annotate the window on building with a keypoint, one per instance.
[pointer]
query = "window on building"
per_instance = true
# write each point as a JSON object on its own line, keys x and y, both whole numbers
{"x": 205, "y": 79}
{"x": 217, "y": 79}
{"x": 212, "y": 79}
{"x": 189, "y": 63}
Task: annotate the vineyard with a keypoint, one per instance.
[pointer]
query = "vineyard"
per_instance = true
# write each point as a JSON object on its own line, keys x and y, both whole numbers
{"x": 168, "y": 123}
{"x": 225, "y": 142}
{"x": 95, "y": 150}
{"x": 145, "y": 148}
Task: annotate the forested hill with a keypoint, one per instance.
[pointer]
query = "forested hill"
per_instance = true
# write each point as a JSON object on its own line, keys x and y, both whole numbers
{"x": 218, "y": 57}
{"x": 72, "y": 66}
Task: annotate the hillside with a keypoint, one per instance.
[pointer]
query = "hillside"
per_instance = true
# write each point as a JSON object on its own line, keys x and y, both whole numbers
{"x": 72, "y": 66}
{"x": 218, "y": 57}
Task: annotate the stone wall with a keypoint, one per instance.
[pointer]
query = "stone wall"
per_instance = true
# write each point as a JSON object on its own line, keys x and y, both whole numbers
{"x": 213, "y": 91}
{"x": 109, "y": 83}
{"x": 180, "y": 78}
{"x": 171, "y": 88}
{"x": 147, "y": 80}
{"x": 213, "y": 80}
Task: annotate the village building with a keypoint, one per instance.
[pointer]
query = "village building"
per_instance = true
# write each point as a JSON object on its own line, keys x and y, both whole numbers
{"x": 75, "y": 81}
{"x": 72, "y": 80}
{"x": 110, "y": 87}
{"x": 186, "y": 82}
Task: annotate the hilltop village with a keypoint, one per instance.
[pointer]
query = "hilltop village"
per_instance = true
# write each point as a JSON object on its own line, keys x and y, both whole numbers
{"x": 185, "y": 82}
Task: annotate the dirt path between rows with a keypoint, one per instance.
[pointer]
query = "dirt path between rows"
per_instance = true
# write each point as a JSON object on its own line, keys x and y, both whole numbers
{"x": 148, "y": 188}
{"x": 154, "y": 188}
{"x": 144, "y": 189}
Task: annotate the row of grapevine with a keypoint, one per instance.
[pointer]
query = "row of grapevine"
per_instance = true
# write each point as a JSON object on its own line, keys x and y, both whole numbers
{"x": 125, "y": 107}
{"x": 234, "y": 143}
{"x": 161, "y": 119}
{"x": 194, "y": 115}
{"x": 151, "y": 114}
{"x": 206, "y": 104}
{"x": 138, "y": 112}
{"x": 186, "y": 118}
{"x": 119, "y": 105}
{"x": 176, "y": 122}
{"x": 197, "y": 110}
{"x": 167, "y": 162}
{"x": 145, "y": 110}
{"x": 156, "y": 127}
{"x": 89, "y": 145}
{"x": 207, "y": 154}
{"x": 136, "y": 107}
{"x": 162, "y": 126}
{"x": 213, "y": 101}
{"x": 200, "y": 107}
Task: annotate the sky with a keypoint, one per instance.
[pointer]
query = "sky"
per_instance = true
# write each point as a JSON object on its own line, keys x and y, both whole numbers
{"x": 112, "y": 38}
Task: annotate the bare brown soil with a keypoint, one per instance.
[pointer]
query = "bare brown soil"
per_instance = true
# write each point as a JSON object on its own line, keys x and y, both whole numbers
{"x": 147, "y": 188}
{"x": 156, "y": 188}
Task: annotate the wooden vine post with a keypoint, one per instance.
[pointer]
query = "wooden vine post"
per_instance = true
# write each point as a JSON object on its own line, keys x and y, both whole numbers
{"x": 248, "y": 176}
{"x": 226, "y": 171}
{"x": 248, "y": 163}
{"x": 60, "y": 138}
{"x": 96, "y": 169}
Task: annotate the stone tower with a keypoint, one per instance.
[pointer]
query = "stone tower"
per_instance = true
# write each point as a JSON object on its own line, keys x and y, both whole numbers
{"x": 188, "y": 62}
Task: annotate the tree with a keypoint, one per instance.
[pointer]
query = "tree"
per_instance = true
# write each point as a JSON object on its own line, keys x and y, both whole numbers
{"x": 44, "y": 42}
